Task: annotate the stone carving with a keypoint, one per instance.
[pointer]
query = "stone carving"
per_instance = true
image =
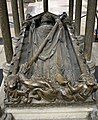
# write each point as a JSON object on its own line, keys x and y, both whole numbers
{"x": 21, "y": 89}
{"x": 46, "y": 65}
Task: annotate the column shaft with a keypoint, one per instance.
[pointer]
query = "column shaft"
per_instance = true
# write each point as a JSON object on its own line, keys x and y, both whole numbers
{"x": 71, "y": 6}
{"x": 78, "y": 17}
{"x": 45, "y": 5}
{"x": 89, "y": 31}
{"x": 15, "y": 17}
{"x": 5, "y": 29}
{"x": 21, "y": 11}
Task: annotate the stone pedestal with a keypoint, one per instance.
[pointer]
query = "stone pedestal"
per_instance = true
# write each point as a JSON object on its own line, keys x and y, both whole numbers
{"x": 52, "y": 113}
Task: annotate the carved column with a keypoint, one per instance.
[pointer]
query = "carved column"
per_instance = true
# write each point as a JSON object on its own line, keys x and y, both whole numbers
{"x": 15, "y": 17}
{"x": 89, "y": 31}
{"x": 78, "y": 17}
{"x": 45, "y": 5}
{"x": 21, "y": 11}
{"x": 71, "y": 6}
{"x": 5, "y": 29}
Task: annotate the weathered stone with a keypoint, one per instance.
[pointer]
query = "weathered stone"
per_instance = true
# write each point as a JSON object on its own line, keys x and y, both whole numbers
{"x": 51, "y": 113}
{"x": 47, "y": 65}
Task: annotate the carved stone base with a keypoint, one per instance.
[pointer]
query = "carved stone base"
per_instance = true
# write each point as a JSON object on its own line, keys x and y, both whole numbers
{"x": 52, "y": 113}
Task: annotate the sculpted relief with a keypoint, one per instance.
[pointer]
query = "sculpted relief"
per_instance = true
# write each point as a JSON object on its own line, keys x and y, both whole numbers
{"x": 46, "y": 66}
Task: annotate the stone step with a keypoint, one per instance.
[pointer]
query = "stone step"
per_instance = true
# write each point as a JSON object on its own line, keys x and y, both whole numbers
{"x": 51, "y": 113}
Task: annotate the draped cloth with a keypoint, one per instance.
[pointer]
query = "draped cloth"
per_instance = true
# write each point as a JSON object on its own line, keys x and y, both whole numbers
{"x": 54, "y": 58}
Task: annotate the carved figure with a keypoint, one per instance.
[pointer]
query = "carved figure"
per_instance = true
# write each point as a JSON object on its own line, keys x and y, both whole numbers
{"x": 33, "y": 89}
{"x": 45, "y": 66}
{"x": 48, "y": 51}
{"x": 81, "y": 90}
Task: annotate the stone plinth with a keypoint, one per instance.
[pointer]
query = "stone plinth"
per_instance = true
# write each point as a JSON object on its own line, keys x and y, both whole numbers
{"x": 51, "y": 113}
